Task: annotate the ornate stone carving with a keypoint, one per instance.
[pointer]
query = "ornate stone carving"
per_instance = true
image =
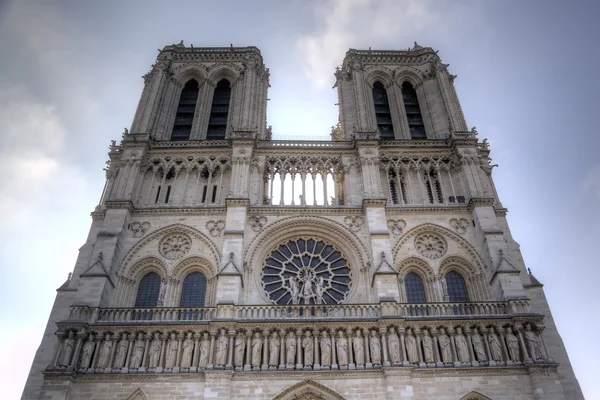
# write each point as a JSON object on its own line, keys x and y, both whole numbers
{"x": 274, "y": 344}
{"x": 139, "y": 228}
{"x": 325, "y": 349}
{"x": 396, "y": 226}
{"x": 187, "y": 350}
{"x": 354, "y": 222}
{"x": 411, "y": 347}
{"x": 257, "y": 222}
{"x": 257, "y": 344}
{"x": 533, "y": 344}
{"x": 204, "y": 350}
{"x": 462, "y": 348}
{"x": 430, "y": 245}
{"x": 172, "y": 349}
{"x": 221, "y": 353}
{"x": 239, "y": 347}
{"x": 215, "y": 227}
{"x": 460, "y": 225}
{"x": 175, "y": 246}
{"x": 137, "y": 353}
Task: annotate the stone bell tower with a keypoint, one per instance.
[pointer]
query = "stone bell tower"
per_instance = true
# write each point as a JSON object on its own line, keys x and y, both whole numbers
{"x": 223, "y": 264}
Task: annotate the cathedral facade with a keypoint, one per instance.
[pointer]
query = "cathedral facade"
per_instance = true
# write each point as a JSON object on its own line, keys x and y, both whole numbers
{"x": 224, "y": 264}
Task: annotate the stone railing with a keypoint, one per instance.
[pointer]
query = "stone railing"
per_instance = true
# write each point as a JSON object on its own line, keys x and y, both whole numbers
{"x": 324, "y": 312}
{"x": 304, "y": 144}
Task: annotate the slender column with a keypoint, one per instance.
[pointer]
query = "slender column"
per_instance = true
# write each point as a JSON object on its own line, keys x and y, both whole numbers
{"x": 543, "y": 341}
{"x": 109, "y": 363}
{"x": 384, "y": 346}
{"x": 230, "y": 355}
{"x": 248, "y": 365}
{"x": 367, "y": 353}
{"x": 271, "y": 188}
{"x": 282, "y": 360}
{"x": 335, "y": 193}
{"x": 436, "y": 347}
{"x": 527, "y": 358}
{"x": 282, "y": 180}
{"x": 198, "y": 173}
{"x": 77, "y": 351}
{"x": 293, "y": 175}
{"x": 179, "y": 351}
{"x": 162, "y": 185}
{"x": 503, "y": 341}
{"x": 130, "y": 345}
{"x": 150, "y": 187}
{"x": 314, "y": 179}
{"x": 351, "y": 364}
{"x": 57, "y": 350}
{"x": 265, "y": 364}
{"x": 452, "y": 185}
{"x": 144, "y": 364}
{"x": 418, "y": 336}
{"x": 333, "y": 350}
{"x": 196, "y": 355}
{"x": 487, "y": 346}
{"x": 421, "y": 185}
{"x": 211, "y": 352}
{"x": 208, "y": 187}
{"x": 399, "y": 187}
{"x": 185, "y": 185}
{"x": 411, "y": 195}
{"x": 299, "y": 349}
{"x": 453, "y": 346}
{"x": 96, "y": 351}
{"x": 163, "y": 350}
{"x": 316, "y": 349}
{"x": 403, "y": 348}
{"x": 474, "y": 361}
{"x": 217, "y": 196}
{"x": 324, "y": 176}
{"x": 303, "y": 201}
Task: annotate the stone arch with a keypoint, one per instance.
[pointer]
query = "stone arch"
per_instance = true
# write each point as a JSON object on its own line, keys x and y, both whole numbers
{"x": 423, "y": 270}
{"x": 146, "y": 265}
{"x": 411, "y": 75}
{"x": 138, "y": 394}
{"x": 308, "y": 390}
{"x": 188, "y": 72}
{"x": 195, "y": 264}
{"x": 381, "y": 74}
{"x": 475, "y": 396}
{"x": 223, "y": 71}
{"x": 477, "y": 289}
{"x": 293, "y": 227}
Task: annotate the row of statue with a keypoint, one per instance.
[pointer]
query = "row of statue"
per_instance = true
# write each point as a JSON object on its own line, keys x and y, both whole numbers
{"x": 300, "y": 349}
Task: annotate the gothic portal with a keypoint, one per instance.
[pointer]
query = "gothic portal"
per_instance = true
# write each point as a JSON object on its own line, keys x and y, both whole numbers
{"x": 224, "y": 264}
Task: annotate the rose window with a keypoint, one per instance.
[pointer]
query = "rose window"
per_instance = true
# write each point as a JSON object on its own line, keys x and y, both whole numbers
{"x": 306, "y": 271}
{"x": 175, "y": 246}
{"x": 430, "y": 245}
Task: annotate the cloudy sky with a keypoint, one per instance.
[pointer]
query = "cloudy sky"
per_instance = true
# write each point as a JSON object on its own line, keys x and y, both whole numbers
{"x": 70, "y": 79}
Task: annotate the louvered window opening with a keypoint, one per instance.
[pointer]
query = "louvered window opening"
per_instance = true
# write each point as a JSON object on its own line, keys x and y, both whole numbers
{"x": 413, "y": 112}
{"x": 219, "y": 112}
{"x": 184, "y": 119}
{"x": 383, "y": 115}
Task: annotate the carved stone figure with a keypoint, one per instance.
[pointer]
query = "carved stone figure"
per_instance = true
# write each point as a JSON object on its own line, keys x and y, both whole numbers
{"x": 512, "y": 343}
{"x": 495, "y": 349}
{"x": 274, "y": 344}
{"x": 187, "y": 351}
{"x": 290, "y": 348}
{"x": 204, "y": 351}
{"x": 445, "y": 349}
{"x": 221, "y": 358}
{"x": 533, "y": 344}
{"x": 105, "y": 352}
{"x": 341, "y": 348}
{"x": 154, "y": 351}
{"x": 394, "y": 345}
{"x": 320, "y": 290}
{"x": 462, "y": 349}
{"x": 240, "y": 346}
{"x": 122, "y": 348}
{"x": 138, "y": 352}
{"x": 87, "y": 352}
{"x": 375, "y": 348}
{"x": 67, "y": 350}
{"x": 325, "y": 350}
{"x": 478, "y": 346}
{"x": 359, "y": 348}
{"x": 257, "y": 344}
{"x": 411, "y": 347}
{"x": 308, "y": 347}
{"x": 172, "y": 348}
{"x": 427, "y": 342}
{"x": 161, "y": 292}
{"x": 307, "y": 291}
{"x": 294, "y": 291}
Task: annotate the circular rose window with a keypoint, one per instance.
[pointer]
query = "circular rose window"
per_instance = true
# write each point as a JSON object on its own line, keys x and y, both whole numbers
{"x": 306, "y": 271}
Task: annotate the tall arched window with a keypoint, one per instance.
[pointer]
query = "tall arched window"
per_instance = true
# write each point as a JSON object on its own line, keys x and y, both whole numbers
{"x": 217, "y": 124}
{"x": 415, "y": 292}
{"x": 383, "y": 115}
{"x": 193, "y": 291}
{"x": 413, "y": 112}
{"x": 457, "y": 288}
{"x": 148, "y": 290}
{"x": 185, "y": 111}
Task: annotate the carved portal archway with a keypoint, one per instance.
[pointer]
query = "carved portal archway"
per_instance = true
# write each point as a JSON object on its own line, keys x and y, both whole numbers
{"x": 308, "y": 390}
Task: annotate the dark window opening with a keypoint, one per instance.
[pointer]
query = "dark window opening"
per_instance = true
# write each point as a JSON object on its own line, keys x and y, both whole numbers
{"x": 403, "y": 191}
{"x": 193, "y": 291}
{"x": 204, "y": 190}
{"x": 148, "y": 290}
{"x": 415, "y": 292}
{"x": 413, "y": 112}
{"x": 217, "y": 123}
{"x": 214, "y": 194}
{"x": 457, "y": 288}
{"x": 429, "y": 191}
{"x": 157, "y": 194}
{"x": 182, "y": 128}
{"x": 456, "y": 199}
{"x": 168, "y": 194}
{"x": 393, "y": 192}
{"x": 383, "y": 115}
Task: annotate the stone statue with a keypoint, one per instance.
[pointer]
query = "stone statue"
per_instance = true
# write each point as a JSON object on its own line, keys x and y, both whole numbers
{"x": 290, "y": 348}
{"x": 308, "y": 347}
{"x": 172, "y": 349}
{"x": 446, "y": 350}
{"x": 320, "y": 290}
{"x": 307, "y": 291}
{"x": 87, "y": 352}
{"x": 162, "y": 291}
{"x": 274, "y": 345}
{"x": 294, "y": 291}
{"x": 122, "y": 348}
{"x": 105, "y": 352}
{"x": 240, "y": 346}
{"x": 187, "y": 351}
{"x": 411, "y": 347}
{"x": 325, "y": 350}
{"x": 257, "y": 344}
{"x": 394, "y": 345}
{"x": 138, "y": 352}
{"x": 204, "y": 351}
{"x": 375, "y": 347}
{"x": 533, "y": 344}
{"x": 359, "y": 348}
{"x": 427, "y": 342}
{"x": 67, "y": 350}
{"x": 341, "y": 348}
{"x": 495, "y": 349}
{"x": 462, "y": 349}
{"x": 155, "y": 347}
{"x": 221, "y": 358}
{"x": 478, "y": 346}
{"x": 512, "y": 343}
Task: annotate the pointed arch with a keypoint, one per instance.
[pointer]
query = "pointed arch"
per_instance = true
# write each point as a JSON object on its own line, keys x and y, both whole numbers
{"x": 138, "y": 394}
{"x": 221, "y": 71}
{"x": 190, "y": 71}
{"x": 194, "y": 265}
{"x": 308, "y": 390}
{"x": 475, "y": 396}
{"x": 382, "y": 74}
{"x": 145, "y": 266}
{"x": 411, "y": 75}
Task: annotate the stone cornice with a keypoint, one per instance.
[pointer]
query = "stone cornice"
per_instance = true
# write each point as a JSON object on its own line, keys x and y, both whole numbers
{"x": 374, "y": 203}
{"x": 237, "y": 202}
{"x": 199, "y": 211}
{"x": 305, "y": 210}
{"x": 119, "y": 204}
{"x": 481, "y": 202}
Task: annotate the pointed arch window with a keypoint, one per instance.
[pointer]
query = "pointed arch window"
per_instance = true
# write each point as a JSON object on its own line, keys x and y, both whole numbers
{"x": 193, "y": 291}
{"x": 383, "y": 116}
{"x": 182, "y": 128}
{"x": 415, "y": 291}
{"x": 148, "y": 290}
{"x": 413, "y": 112}
{"x": 457, "y": 288}
{"x": 217, "y": 123}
